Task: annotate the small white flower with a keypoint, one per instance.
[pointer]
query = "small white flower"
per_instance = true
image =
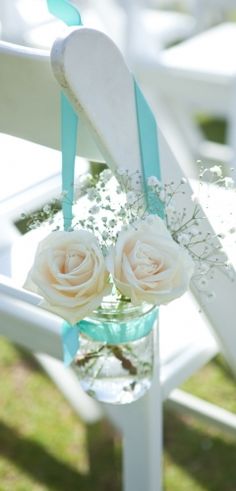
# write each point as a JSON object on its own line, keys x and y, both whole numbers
{"x": 194, "y": 230}
{"x": 228, "y": 182}
{"x": 204, "y": 268}
{"x": 170, "y": 209}
{"x": 131, "y": 197}
{"x": 94, "y": 209}
{"x": 92, "y": 194}
{"x": 162, "y": 196}
{"x": 194, "y": 198}
{"x": 63, "y": 195}
{"x": 210, "y": 296}
{"x": 105, "y": 176}
{"x": 46, "y": 209}
{"x": 105, "y": 235}
{"x": 183, "y": 239}
{"x": 121, "y": 171}
{"x": 216, "y": 169}
{"x": 153, "y": 181}
{"x": 202, "y": 284}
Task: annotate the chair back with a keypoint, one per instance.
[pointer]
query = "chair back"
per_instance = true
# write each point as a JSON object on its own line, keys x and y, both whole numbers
{"x": 114, "y": 128}
{"x": 30, "y": 100}
{"x": 29, "y": 108}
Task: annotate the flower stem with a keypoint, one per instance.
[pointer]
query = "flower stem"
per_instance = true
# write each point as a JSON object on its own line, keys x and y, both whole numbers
{"x": 126, "y": 363}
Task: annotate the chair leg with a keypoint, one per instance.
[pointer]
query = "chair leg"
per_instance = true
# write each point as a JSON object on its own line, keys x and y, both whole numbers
{"x": 141, "y": 426}
{"x": 184, "y": 403}
{"x": 142, "y": 444}
{"x": 68, "y": 384}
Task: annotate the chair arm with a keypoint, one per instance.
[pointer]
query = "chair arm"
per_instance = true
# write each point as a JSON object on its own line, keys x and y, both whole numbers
{"x": 30, "y": 326}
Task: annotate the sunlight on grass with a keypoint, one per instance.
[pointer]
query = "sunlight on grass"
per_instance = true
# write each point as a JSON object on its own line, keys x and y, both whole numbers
{"x": 45, "y": 446}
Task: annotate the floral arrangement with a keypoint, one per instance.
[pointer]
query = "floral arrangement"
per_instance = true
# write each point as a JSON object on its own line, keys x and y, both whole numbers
{"x": 111, "y": 250}
{"x": 145, "y": 259}
{"x": 117, "y": 252}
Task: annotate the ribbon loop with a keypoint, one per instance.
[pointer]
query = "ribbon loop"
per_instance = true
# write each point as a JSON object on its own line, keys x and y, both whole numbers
{"x": 64, "y": 11}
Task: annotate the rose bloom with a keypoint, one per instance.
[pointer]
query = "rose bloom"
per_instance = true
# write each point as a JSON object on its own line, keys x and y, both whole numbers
{"x": 69, "y": 272}
{"x": 147, "y": 265}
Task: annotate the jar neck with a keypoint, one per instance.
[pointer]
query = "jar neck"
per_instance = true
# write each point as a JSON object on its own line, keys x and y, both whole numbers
{"x": 116, "y": 329}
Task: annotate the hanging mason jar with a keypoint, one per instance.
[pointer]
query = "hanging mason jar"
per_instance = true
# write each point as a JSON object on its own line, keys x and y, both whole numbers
{"x": 115, "y": 359}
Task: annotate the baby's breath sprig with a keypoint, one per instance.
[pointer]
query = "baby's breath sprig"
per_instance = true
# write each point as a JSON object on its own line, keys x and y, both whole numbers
{"x": 106, "y": 204}
{"x": 45, "y": 215}
{"x": 185, "y": 227}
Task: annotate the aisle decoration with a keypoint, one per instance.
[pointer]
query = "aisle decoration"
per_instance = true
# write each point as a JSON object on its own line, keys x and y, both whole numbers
{"x": 108, "y": 274}
{"x": 118, "y": 252}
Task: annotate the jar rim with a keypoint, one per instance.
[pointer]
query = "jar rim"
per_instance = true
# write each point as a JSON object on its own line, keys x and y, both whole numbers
{"x": 121, "y": 308}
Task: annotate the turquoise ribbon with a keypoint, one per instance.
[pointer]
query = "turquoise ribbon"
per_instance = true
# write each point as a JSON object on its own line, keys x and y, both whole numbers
{"x": 149, "y": 150}
{"x": 69, "y": 127}
{"x": 113, "y": 333}
{"x": 107, "y": 332}
{"x": 69, "y": 119}
{"x": 64, "y": 11}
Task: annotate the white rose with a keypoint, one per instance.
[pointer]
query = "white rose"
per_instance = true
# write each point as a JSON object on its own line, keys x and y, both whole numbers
{"x": 148, "y": 265}
{"x": 69, "y": 272}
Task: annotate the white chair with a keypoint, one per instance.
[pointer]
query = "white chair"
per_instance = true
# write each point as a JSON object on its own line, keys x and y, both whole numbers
{"x": 197, "y": 75}
{"x": 165, "y": 26}
{"x": 25, "y": 323}
{"x": 211, "y": 12}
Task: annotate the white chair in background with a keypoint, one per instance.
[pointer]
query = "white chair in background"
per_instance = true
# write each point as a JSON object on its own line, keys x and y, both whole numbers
{"x": 166, "y": 26}
{"x": 211, "y": 12}
{"x": 23, "y": 322}
{"x": 206, "y": 13}
{"x": 29, "y": 23}
{"x": 197, "y": 75}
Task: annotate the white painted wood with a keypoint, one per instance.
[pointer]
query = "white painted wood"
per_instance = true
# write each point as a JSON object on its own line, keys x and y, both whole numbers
{"x": 211, "y": 12}
{"x": 199, "y": 73}
{"x": 150, "y": 29}
{"x": 215, "y": 416}
{"x": 102, "y": 105}
{"x": 105, "y": 77}
{"x": 30, "y": 109}
{"x": 30, "y": 326}
{"x": 67, "y": 382}
{"x": 8, "y": 235}
{"x": 30, "y": 99}
{"x": 141, "y": 426}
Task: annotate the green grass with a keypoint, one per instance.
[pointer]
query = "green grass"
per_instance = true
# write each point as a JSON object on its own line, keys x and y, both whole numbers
{"x": 44, "y": 445}
{"x": 213, "y": 129}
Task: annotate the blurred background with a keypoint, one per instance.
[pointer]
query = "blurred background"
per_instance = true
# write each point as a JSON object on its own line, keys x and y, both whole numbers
{"x": 181, "y": 52}
{"x": 183, "y": 55}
